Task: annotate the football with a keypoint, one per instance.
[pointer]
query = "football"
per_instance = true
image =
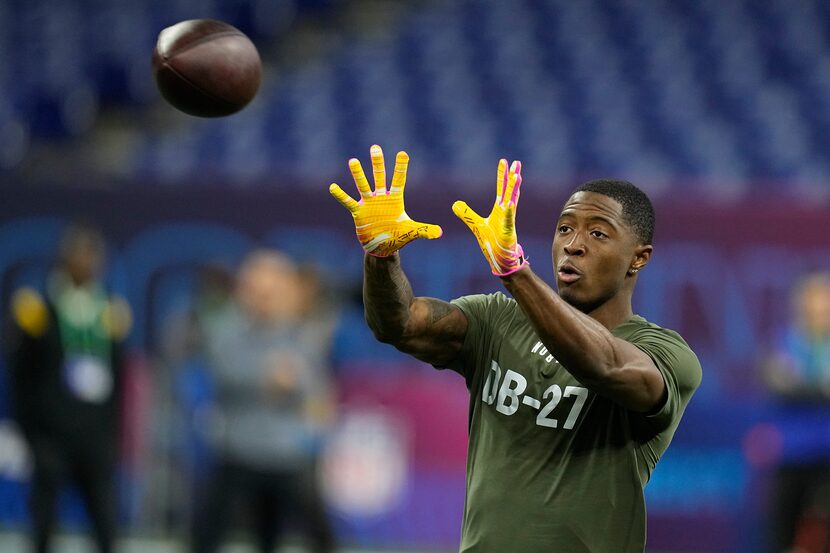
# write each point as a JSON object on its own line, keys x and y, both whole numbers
{"x": 206, "y": 67}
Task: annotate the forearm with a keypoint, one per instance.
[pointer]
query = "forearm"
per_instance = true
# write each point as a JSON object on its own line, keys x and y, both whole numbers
{"x": 580, "y": 343}
{"x": 387, "y": 296}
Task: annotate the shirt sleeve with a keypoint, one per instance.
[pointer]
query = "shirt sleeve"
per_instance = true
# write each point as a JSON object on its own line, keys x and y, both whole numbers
{"x": 680, "y": 368}
{"x": 482, "y": 312}
{"x": 473, "y": 308}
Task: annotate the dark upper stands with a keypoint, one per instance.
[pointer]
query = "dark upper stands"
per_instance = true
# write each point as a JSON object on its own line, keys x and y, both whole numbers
{"x": 705, "y": 94}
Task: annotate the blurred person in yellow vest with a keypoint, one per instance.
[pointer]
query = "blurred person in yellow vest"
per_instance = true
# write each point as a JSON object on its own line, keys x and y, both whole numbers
{"x": 65, "y": 361}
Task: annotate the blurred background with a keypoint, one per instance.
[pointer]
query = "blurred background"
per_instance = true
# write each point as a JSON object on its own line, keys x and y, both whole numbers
{"x": 719, "y": 109}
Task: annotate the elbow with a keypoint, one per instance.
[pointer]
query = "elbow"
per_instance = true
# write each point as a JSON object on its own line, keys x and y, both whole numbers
{"x": 383, "y": 336}
{"x": 384, "y": 333}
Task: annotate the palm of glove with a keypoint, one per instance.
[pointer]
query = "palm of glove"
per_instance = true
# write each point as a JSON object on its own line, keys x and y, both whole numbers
{"x": 381, "y": 222}
{"x": 496, "y": 235}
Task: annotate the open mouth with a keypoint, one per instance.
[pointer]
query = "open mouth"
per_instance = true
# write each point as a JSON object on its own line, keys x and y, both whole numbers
{"x": 567, "y": 273}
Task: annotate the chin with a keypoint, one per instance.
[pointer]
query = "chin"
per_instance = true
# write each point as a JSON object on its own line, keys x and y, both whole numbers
{"x": 576, "y": 300}
{"x": 571, "y": 298}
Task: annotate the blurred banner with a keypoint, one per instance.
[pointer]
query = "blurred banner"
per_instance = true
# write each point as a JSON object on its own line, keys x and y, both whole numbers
{"x": 719, "y": 275}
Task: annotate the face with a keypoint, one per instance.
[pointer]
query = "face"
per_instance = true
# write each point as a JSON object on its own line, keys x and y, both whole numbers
{"x": 813, "y": 305}
{"x": 84, "y": 260}
{"x": 268, "y": 289}
{"x": 594, "y": 250}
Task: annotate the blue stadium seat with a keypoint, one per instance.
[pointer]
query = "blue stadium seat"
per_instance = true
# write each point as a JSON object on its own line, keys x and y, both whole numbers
{"x": 692, "y": 90}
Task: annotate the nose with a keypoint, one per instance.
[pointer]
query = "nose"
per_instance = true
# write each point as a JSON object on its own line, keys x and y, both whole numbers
{"x": 575, "y": 246}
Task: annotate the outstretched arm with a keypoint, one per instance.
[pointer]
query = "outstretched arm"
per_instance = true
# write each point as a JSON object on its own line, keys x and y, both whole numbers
{"x": 604, "y": 363}
{"x": 429, "y": 329}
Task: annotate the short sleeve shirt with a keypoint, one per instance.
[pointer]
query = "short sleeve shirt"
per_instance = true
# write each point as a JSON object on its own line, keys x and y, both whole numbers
{"x": 551, "y": 465}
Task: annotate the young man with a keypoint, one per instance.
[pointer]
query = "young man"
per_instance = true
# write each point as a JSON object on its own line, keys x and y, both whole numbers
{"x": 573, "y": 398}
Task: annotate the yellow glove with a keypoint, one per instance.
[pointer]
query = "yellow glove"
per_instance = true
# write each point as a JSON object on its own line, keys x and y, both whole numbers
{"x": 496, "y": 234}
{"x": 382, "y": 225}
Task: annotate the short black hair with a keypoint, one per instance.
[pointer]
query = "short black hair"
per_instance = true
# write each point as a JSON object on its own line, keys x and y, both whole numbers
{"x": 637, "y": 211}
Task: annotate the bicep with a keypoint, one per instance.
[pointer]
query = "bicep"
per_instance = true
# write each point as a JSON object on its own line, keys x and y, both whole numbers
{"x": 434, "y": 332}
{"x": 634, "y": 382}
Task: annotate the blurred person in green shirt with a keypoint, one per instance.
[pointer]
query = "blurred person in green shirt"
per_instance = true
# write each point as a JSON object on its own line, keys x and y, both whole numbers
{"x": 66, "y": 373}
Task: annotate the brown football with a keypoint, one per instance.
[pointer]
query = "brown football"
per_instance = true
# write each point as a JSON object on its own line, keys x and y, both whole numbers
{"x": 206, "y": 68}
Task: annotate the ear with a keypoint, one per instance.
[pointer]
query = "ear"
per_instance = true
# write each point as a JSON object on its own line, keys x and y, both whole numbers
{"x": 642, "y": 255}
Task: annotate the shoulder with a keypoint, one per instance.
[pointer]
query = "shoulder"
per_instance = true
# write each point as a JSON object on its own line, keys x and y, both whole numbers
{"x": 117, "y": 317}
{"x": 667, "y": 348}
{"x": 490, "y": 314}
{"x": 30, "y": 312}
{"x": 638, "y": 328}
{"x": 480, "y": 305}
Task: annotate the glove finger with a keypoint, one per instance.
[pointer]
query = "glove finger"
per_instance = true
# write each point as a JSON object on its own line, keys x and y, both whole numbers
{"x": 501, "y": 180}
{"x": 378, "y": 168}
{"x": 426, "y": 230}
{"x": 466, "y": 214}
{"x": 344, "y": 199}
{"x": 399, "y": 176}
{"x": 517, "y": 191}
{"x": 360, "y": 178}
{"x": 514, "y": 182}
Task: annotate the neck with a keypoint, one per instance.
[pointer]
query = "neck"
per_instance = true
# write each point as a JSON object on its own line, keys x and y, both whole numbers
{"x": 613, "y": 312}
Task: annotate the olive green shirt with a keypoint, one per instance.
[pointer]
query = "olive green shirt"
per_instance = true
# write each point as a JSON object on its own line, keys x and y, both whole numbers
{"x": 551, "y": 465}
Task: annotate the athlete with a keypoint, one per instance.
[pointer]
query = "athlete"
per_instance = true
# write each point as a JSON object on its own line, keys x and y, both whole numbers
{"x": 573, "y": 397}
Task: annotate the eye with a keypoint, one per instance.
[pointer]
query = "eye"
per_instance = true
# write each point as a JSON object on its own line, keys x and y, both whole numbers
{"x": 563, "y": 229}
{"x": 599, "y": 234}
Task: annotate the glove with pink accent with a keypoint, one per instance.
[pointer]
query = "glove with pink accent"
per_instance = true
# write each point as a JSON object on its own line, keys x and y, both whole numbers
{"x": 496, "y": 234}
{"x": 381, "y": 223}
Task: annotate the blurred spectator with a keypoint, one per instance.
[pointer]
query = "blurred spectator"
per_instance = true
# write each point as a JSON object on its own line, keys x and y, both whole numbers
{"x": 267, "y": 357}
{"x": 183, "y": 353}
{"x": 186, "y": 329}
{"x": 65, "y": 373}
{"x": 798, "y": 374}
